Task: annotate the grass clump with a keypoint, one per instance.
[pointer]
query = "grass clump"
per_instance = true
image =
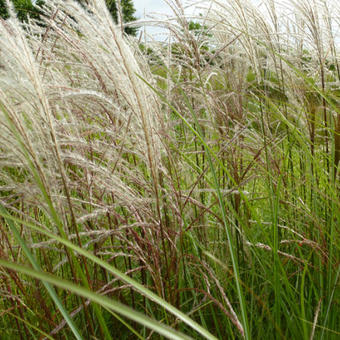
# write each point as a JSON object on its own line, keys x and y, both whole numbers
{"x": 179, "y": 190}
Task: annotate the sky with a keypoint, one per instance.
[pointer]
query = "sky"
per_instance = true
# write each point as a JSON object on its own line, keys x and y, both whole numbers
{"x": 153, "y": 6}
{"x": 150, "y": 7}
{"x": 159, "y": 7}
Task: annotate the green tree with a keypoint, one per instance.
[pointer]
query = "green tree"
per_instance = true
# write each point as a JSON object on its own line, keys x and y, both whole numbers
{"x": 3, "y": 10}
{"x": 128, "y": 13}
{"x": 24, "y": 8}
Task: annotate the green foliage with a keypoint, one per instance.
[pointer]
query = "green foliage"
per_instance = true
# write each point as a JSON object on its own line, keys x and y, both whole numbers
{"x": 199, "y": 29}
{"x": 24, "y": 8}
{"x": 128, "y": 12}
{"x": 3, "y": 9}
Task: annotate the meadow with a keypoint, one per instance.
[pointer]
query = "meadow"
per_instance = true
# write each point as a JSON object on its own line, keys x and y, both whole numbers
{"x": 179, "y": 190}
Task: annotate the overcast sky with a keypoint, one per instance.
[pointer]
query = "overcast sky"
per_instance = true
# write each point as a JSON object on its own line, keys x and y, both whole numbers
{"x": 150, "y": 6}
{"x": 155, "y": 7}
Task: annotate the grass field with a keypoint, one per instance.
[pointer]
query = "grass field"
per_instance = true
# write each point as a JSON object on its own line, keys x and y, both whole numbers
{"x": 184, "y": 190}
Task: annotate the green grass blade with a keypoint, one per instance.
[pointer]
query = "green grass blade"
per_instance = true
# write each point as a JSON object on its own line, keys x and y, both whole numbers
{"x": 144, "y": 291}
{"x": 36, "y": 266}
{"x": 99, "y": 299}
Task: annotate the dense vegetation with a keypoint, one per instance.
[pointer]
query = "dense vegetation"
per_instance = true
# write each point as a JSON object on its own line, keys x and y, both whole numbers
{"x": 30, "y": 9}
{"x": 188, "y": 190}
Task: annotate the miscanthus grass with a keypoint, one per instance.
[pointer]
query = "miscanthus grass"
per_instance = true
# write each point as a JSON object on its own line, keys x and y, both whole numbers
{"x": 185, "y": 189}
